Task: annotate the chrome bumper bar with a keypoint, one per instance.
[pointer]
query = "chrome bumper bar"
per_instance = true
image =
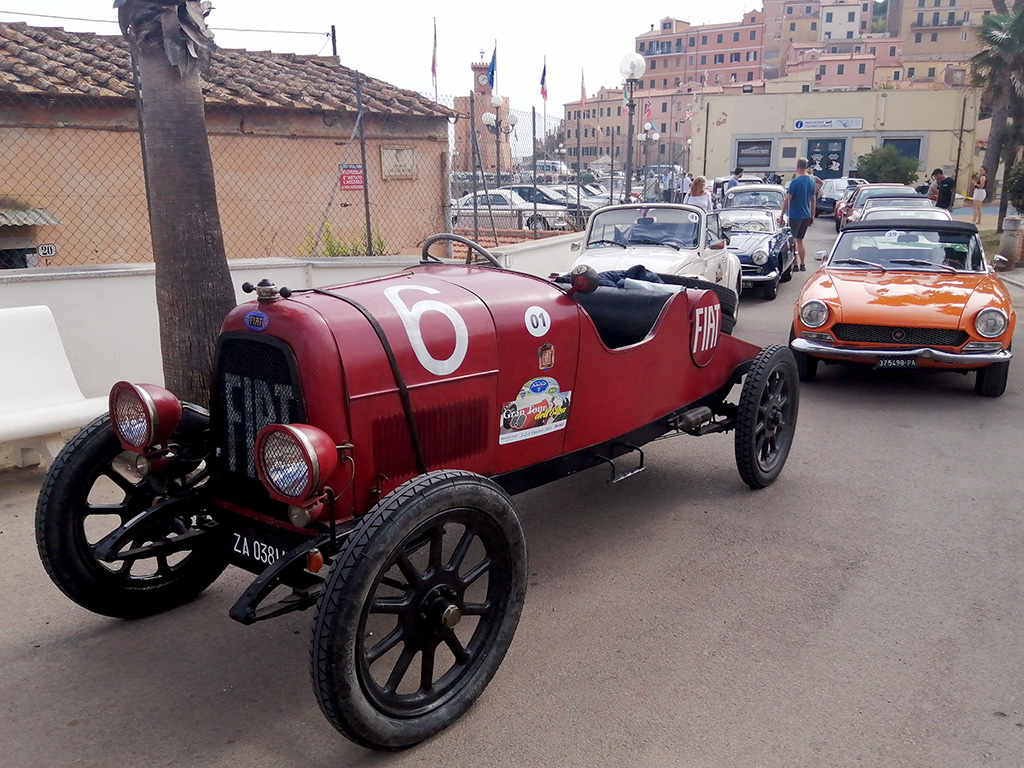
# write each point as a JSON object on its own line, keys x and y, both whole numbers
{"x": 773, "y": 275}
{"x": 816, "y": 348}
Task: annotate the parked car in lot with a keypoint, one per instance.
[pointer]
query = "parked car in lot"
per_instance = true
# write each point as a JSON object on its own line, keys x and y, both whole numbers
{"x": 832, "y": 190}
{"x": 766, "y": 251}
{"x": 667, "y": 239}
{"x": 557, "y": 196}
{"x": 770, "y": 196}
{"x": 507, "y": 210}
{"x": 359, "y": 456}
{"x": 854, "y": 205}
{"x": 907, "y": 294}
{"x": 890, "y": 202}
{"x": 719, "y": 183}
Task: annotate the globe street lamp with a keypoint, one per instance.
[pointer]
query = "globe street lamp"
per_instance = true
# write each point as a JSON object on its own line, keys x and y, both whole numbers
{"x": 632, "y": 68}
{"x": 497, "y": 126}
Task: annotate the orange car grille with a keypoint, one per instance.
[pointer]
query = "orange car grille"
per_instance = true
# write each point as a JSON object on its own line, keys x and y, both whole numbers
{"x": 889, "y": 334}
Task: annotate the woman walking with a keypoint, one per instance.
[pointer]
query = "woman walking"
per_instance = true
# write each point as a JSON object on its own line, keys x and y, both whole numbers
{"x": 979, "y": 194}
{"x": 699, "y": 194}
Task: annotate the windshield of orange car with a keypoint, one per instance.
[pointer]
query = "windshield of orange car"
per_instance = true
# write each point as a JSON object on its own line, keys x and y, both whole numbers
{"x": 908, "y": 250}
{"x": 642, "y": 225}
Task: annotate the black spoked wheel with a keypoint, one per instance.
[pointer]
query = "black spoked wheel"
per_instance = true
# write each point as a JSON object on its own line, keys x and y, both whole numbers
{"x": 991, "y": 380}
{"x": 419, "y": 609}
{"x": 90, "y": 490}
{"x": 766, "y": 418}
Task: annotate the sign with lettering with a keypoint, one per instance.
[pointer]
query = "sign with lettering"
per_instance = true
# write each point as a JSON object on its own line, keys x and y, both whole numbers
{"x": 351, "y": 176}
{"x": 829, "y": 124}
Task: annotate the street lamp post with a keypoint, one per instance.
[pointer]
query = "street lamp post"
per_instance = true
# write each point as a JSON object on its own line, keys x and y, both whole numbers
{"x": 497, "y": 126}
{"x": 632, "y": 68}
{"x": 648, "y": 137}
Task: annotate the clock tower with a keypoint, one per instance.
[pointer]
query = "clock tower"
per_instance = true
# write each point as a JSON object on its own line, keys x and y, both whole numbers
{"x": 480, "y": 86}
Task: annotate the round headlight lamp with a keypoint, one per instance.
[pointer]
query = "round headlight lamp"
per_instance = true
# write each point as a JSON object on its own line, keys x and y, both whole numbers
{"x": 814, "y": 313}
{"x": 293, "y": 461}
{"x": 991, "y": 322}
{"x": 759, "y": 257}
{"x": 143, "y": 415}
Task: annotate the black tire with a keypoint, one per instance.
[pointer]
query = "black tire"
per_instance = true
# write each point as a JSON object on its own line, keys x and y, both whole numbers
{"x": 395, "y": 575}
{"x": 536, "y": 223}
{"x": 766, "y": 417}
{"x": 90, "y": 489}
{"x": 990, "y": 381}
{"x": 788, "y": 274}
{"x": 728, "y": 298}
{"x": 806, "y": 366}
{"x": 770, "y": 290}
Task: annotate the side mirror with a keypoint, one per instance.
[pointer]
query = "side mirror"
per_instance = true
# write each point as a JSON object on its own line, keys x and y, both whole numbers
{"x": 577, "y": 245}
{"x": 717, "y": 245}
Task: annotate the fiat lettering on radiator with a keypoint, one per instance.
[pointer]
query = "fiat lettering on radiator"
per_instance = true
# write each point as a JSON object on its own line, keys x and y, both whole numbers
{"x": 252, "y": 404}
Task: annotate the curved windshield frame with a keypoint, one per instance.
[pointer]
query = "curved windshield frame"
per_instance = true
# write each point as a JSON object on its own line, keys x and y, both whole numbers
{"x": 675, "y": 227}
{"x": 749, "y": 220}
{"x": 908, "y": 250}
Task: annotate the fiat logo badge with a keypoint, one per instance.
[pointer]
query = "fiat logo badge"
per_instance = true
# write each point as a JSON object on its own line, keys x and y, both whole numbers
{"x": 899, "y": 334}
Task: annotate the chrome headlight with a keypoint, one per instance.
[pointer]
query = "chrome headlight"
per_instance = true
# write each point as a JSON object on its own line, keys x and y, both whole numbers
{"x": 294, "y": 461}
{"x": 814, "y": 313}
{"x": 991, "y": 322}
{"x": 143, "y": 415}
{"x": 759, "y": 257}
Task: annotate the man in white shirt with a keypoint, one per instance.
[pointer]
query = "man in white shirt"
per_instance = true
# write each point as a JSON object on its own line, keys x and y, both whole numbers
{"x": 687, "y": 182}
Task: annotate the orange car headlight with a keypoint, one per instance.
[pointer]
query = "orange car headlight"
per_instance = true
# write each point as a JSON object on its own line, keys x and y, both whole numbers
{"x": 814, "y": 313}
{"x": 991, "y": 322}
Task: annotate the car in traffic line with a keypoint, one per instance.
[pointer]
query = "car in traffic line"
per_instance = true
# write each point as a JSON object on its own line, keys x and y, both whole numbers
{"x": 854, "y": 205}
{"x": 833, "y": 190}
{"x": 766, "y": 251}
{"x": 906, "y": 214}
{"x": 907, "y": 294}
{"x": 504, "y": 209}
{"x": 670, "y": 239}
{"x": 359, "y": 458}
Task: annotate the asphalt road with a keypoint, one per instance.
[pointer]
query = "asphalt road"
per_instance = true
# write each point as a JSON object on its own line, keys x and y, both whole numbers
{"x": 863, "y": 611}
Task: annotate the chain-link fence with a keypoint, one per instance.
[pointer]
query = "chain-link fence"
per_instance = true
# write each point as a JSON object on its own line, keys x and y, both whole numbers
{"x": 72, "y": 187}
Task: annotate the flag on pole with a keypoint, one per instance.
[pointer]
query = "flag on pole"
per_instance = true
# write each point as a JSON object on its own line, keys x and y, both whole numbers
{"x": 544, "y": 80}
{"x": 647, "y": 110}
{"x": 492, "y": 71}
{"x": 433, "y": 60}
{"x": 583, "y": 92}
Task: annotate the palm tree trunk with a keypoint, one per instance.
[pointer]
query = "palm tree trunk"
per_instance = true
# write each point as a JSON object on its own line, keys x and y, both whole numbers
{"x": 996, "y": 139}
{"x": 193, "y": 283}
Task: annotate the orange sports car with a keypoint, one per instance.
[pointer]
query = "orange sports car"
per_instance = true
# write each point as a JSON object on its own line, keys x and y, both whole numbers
{"x": 907, "y": 294}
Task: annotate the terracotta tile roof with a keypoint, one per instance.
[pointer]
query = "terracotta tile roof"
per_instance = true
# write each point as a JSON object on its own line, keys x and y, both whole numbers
{"x": 49, "y": 60}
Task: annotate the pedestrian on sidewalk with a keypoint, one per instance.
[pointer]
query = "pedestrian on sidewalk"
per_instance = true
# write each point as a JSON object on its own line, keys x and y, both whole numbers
{"x": 979, "y": 194}
{"x": 945, "y": 189}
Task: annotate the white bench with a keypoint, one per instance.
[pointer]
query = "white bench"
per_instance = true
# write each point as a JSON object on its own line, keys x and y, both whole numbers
{"x": 39, "y": 396}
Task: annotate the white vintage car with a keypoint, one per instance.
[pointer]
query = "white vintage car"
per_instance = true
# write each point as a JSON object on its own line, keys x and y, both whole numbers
{"x": 672, "y": 240}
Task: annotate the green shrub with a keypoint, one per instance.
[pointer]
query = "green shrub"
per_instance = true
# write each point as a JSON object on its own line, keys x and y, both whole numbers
{"x": 886, "y": 165}
{"x": 329, "y": 244}
{"x": 1014, "y": 187}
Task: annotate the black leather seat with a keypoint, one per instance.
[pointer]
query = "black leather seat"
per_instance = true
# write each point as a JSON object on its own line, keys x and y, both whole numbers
{"x": 623, "y": 316}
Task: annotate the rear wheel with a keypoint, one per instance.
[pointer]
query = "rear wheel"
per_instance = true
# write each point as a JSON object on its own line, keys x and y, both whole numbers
{"x": 991, "y": 380}
{"x": 90, "y": 490}
{"x": 536, "y": 223}
{"x": 419, "y": 609}
{"x": 766, "y": 417}
{"x": 728, "y": 298}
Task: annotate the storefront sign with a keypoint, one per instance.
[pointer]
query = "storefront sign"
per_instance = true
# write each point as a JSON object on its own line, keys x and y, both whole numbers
{"x": 829, "y": 124}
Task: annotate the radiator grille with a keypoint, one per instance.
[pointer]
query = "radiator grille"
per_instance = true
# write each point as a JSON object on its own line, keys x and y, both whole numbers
{"x": 254, "y": 385}
{"x": 891, "y": 334}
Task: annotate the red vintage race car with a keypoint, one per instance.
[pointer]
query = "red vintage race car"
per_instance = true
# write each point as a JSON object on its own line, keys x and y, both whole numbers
{"x": 359, "y": 455}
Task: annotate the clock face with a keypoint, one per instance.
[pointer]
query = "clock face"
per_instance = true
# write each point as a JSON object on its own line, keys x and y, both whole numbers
{"x": 482, "y": 78}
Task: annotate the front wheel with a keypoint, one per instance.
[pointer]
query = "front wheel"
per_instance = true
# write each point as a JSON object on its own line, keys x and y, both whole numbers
{"x": 537, "y": 224}
{"x": 766, "y": 417}
{"x": 90, "y": 490}
{"x": 419, "y": 609}
{"x": 991, "y": 380}
{"x": 770, "y": 290}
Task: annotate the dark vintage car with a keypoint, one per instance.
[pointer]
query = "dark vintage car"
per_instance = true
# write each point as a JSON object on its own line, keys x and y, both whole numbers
{"x": 766, "y": 251}
{"x": 853, "y": 207}
{"x": 359, "y": 456}
{"x": 907, "y": 294}
{"x": 833, "y": 190}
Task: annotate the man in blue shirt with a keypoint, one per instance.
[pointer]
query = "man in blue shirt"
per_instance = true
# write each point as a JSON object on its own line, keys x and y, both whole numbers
{"x": 800, "y": 205}
{"x": 735, "y": 178}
